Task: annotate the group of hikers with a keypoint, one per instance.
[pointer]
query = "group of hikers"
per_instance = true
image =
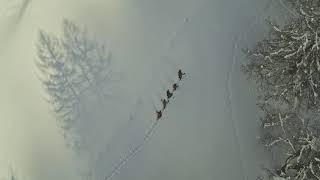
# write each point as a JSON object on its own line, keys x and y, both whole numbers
{"x": 165, "y": 101}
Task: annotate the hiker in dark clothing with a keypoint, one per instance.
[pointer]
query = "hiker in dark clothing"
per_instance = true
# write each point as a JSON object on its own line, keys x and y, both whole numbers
{"x": 159, "y": 114}
{"x": 180, "y": 74}
{"x": 175, "y": 86}
{"x": 164, "y": 103}
{"x": 169, "y": 94}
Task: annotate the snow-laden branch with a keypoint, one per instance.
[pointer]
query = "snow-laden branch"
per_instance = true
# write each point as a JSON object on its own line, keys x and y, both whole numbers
{"x": 286, "y": 69}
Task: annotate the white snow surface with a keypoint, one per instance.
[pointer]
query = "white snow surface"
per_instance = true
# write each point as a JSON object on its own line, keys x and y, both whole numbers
{"x": 208, "y": 130}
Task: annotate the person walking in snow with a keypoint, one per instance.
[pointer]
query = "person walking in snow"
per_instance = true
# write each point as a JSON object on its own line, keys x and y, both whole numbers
{"x": 159, "y": 114}
{"x": 180, "y": 74}
{"x": 169, "y": 94}
{"x": 164, "y": 103}
{"x": 175, "y": 86}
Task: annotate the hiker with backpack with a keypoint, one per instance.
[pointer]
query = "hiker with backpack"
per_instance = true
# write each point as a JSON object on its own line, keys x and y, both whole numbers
{"x": 180, "y": 74}
{"x": 159, "y": 114}
{"x": 169, "y": 94}
{"x": 164, "y": 103}
{"x": 175, "y": 86}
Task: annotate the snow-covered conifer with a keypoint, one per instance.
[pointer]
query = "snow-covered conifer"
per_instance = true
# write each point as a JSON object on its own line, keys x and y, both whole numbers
{"x": 286, "y": 68}
{"x": 287, "y": 65}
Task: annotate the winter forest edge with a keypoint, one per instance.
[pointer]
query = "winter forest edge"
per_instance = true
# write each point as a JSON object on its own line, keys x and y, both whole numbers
{"x": 286, "y": 68}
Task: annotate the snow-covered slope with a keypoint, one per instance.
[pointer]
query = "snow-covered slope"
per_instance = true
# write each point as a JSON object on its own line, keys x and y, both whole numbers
{"x": 208, "y": 129}
{"x": 11, "y": 13}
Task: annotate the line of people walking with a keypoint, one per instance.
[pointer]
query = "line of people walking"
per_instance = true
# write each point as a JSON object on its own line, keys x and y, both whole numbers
{"x": 169, "y": 94}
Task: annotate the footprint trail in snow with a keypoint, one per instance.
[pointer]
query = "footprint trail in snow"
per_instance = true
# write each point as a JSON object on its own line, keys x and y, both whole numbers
{"x": 133, "y": 152}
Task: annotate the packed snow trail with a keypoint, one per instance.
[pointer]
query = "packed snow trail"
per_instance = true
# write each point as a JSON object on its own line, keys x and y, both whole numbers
{"x": 229, "y": 102}
{"x": 229, "y": 88}
{"x": 138, "y": 148}
{"x": 132, "y": 153}
{"x": 230, "y": 95}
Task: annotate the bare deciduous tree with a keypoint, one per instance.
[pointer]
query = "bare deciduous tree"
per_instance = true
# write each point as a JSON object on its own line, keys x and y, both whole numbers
{"x": 90, "y": 57}
{"x": 75, "y": 72}
{"x": 58, "y": 78}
